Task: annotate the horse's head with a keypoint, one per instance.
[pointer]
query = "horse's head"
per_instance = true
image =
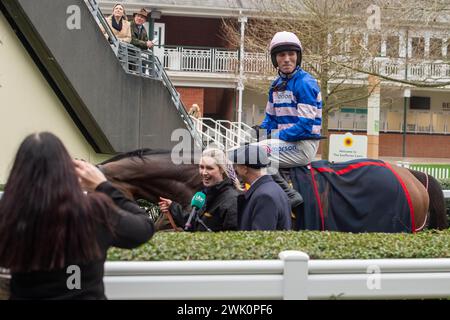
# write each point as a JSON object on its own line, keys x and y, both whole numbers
{"x": 150, "y": 174}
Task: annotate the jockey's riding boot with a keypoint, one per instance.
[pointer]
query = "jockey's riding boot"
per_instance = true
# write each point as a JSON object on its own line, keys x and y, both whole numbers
{"x": 295, "y": 198}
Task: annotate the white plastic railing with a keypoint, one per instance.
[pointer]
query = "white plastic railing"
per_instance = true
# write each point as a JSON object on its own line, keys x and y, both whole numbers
{"x": 436, "y": 172}
{"x": 293, "y": 276}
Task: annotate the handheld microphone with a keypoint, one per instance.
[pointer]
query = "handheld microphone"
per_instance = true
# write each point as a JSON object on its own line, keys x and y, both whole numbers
{"x": 197, "y": 202}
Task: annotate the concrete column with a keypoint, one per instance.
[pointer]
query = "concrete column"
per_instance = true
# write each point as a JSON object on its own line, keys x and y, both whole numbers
{"x": 373, "y": 117}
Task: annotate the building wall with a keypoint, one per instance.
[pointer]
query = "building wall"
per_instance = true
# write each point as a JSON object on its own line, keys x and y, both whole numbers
{"x": 392, "y": 99}
{"x": 254, "y": 106}
{"x": 188, "y": 31}
{"x": 29, "y": 105}
{"x": 417, "y": 145}
{"x": 217, "y": 103}
{"x": 189, "y": 96}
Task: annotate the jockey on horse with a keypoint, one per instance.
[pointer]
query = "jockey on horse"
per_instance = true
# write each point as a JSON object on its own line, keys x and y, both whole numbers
{"x": 293, "y": 113}
{"x": 293, "y": 121}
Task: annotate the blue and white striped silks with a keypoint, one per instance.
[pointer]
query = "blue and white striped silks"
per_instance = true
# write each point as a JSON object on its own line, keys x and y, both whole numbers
{"x": 294, "y": 107}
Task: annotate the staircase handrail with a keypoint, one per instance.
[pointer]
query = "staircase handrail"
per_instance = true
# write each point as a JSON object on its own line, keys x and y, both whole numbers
{"x": 151, "y": 64}
{"x": 247, "y": 136}
{"x": 200, "y": 122}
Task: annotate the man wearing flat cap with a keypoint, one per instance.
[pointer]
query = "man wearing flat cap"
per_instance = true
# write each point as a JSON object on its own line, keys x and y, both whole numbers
{"x": 265, "y": 206}
{"x": 139, "y": 37}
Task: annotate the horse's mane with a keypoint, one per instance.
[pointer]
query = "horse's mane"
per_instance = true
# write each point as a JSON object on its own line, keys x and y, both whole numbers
{"x": 139, "y": 153}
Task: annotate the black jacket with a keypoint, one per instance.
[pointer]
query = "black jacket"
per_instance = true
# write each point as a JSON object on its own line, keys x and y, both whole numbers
{"x": 132, "y": 227}
{"x": 219, "y": 212}
{"x": 265, "y": 206}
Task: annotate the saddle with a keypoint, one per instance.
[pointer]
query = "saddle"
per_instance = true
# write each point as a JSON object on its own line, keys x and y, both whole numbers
{"x": 363, "y": 195}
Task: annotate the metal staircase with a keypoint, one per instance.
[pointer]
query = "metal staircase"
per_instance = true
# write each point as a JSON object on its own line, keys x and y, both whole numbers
{"x": 145, "y": 64}
{"x": 222, "y": 134}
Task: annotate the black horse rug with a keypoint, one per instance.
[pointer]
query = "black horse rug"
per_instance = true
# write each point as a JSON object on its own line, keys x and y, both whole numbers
{"x": 363, "y": 195}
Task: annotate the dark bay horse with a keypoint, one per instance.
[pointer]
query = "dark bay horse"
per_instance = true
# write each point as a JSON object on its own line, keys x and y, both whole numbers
{"x": 149, "y": 174}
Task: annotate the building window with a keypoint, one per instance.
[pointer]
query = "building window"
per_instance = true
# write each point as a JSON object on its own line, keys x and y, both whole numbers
{"x": 392, "y": 46}
{"x": 435, "y": 48}
{"x": 356, "y": 43}
{"x": 338, "y": 44}
{"x": 418, "y": 47}
{"x": 420, "y": 103}
{"x": 374, "y": 45}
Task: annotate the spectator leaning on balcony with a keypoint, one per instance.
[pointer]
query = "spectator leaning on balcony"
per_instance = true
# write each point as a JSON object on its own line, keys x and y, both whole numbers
{"x": 53, "y": 237}
{"x": 139, "y": 37}
{"x": 119, "y": 24}
{"x": 294, "y": 108}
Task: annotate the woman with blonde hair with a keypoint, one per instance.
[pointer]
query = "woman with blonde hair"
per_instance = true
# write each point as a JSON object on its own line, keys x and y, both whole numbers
{"x": 222, "y": 189}
{"x": 119, "y": 24}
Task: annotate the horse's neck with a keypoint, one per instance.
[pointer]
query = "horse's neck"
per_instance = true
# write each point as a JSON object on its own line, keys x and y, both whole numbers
{"x": 154, "y": 179}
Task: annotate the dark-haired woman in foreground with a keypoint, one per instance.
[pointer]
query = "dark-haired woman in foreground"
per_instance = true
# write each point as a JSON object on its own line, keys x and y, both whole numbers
{"x": 53, "y": 237}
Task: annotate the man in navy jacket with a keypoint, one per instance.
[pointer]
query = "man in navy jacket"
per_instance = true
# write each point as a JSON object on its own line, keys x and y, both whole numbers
{"x": 265, "y": 206}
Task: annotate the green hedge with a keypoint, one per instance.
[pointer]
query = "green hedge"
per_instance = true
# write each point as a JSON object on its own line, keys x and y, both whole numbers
{"x": 267, "y": 245}
{"x": 445, "y": 183}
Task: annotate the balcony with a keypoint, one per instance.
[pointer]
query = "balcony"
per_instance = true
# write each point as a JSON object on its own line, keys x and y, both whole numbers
{"x": 225, "y": 61}
{"x": 422, "y": 122}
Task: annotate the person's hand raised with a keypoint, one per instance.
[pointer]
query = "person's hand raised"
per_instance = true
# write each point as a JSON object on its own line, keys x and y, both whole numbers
{"x": 164, "y": 204}
{"x": 90, "y": 176}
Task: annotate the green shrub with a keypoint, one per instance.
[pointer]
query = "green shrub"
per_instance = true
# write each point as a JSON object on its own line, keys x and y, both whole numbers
{"x": 267, "y": 245}
{"x": 445, "y": 183}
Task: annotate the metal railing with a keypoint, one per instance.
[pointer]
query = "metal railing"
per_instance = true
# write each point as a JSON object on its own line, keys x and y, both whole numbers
{"x": 143, "y": 63}
{"x": 222, "y": 133}
{"x": 392, "y": 121}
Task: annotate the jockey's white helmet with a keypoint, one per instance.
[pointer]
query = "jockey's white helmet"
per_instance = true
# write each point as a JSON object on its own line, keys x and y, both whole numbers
{"x": 285, "y": 41}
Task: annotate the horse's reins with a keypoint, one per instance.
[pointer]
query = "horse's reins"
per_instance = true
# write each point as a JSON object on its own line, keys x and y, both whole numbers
{"x": 428, "y": 213}
{"x": 172, "y": 222}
